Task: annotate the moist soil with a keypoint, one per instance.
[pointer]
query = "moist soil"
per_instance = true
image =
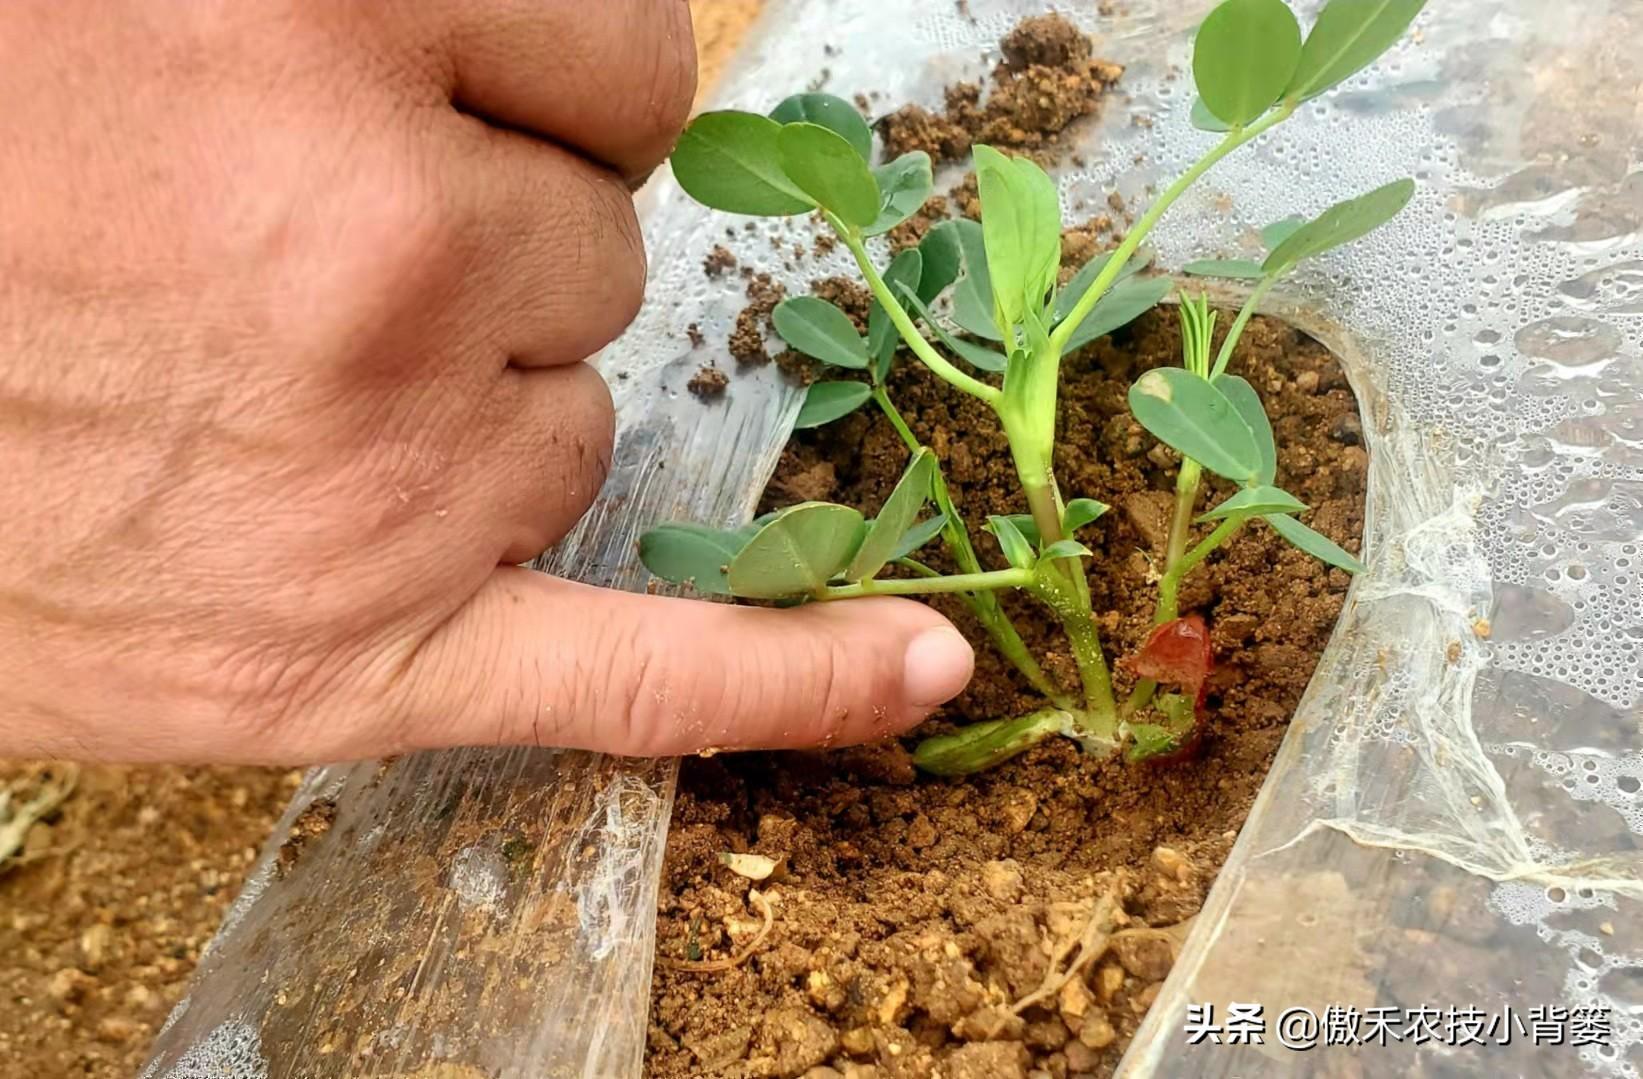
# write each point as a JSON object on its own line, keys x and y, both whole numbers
{"x": 912, "y": 913}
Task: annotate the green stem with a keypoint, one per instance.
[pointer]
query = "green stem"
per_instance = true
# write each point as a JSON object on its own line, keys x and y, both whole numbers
{"x": 1236, "y": 330}
{"x": 1100, "y": 718}
{"x": 925, "y": 586}
{"x": 976, "y": 747}
{"x": 1186, "y": 500}
{"x": 926, "y": 352}
{"x": 1115, "y": 263}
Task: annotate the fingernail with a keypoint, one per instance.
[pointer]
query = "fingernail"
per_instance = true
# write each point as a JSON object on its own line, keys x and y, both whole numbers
{"x": 939, "y": 663}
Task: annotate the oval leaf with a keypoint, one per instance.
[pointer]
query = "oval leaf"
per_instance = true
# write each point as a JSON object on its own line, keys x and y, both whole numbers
{"x": 1313, "y": 543}
{"x": 1281, "y": 230}
{"x": 799, "y": 551}
{"x": 1347, "y": 37}
{"x": 1125, "y": 302}
{"x": 821, "y": 331}
{"x": 1017, "y": 551}
{"x": 904, "y": 184}
{"x": 825, "y": 402}
{"x": 729, "y": 161}
{"x": 824, "y": 166}
{"x": 1080, "y": 512}
{"x": 897, "y": 515}
{"x": 1256, "y": 501}
{"x": 1021, "y": 224}
{"x": 1248, "y": 403}
{"x": 833, "y": 113}
{"x": 1341, "y": 224}
{"x": 691, "y": 554}
{"x": 903, "y": 272}
{"x": 919, "y": 535}
{"x": 1066, "y": 549}
{"x": 943, "y": 259}
{"x": 1243, "y": 57}
{"x": 1192, "y": 417}
{"x": 1204, "y": 120}
{"x": 1241, "y": 269}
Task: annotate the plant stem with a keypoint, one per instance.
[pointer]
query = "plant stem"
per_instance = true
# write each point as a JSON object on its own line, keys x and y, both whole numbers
{"x": 923, "y": 586}
{"x": 978, "y": 746}
{"x": 1115, "y": 263}
{"x": 1186, "y": 500}
{"x": 926, "y": 352}
{"x": 1169, "y": 587}
{"x": 1236, "y": 330}
{"x": 1055, "y": 590}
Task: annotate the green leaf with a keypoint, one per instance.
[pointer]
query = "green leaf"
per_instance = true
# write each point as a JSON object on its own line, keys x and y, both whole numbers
{"x": 1074, "y": 290}
{"x": 973, "y": 299}
{"x": 1149, "y": 740}
{"x": 1248, "y": 403}
{"x": 1125, "y": 302}
{"x": 943, "y": 259}
{"x": 729, "y": 161}
{"x": 1347, "y": 37}
{"x": 919, "y": 535}
{"x": 1080, "y": 512}
{"x": 1244, "y": 56}
{"x": 821, "y": 331}
{"x": 833, "y": 113}
{"x": 690, "y": 553}
{"x": 1204, "y": 120}
{"x": 1066, "y": 549}
{"x": 1281, "y": 230}
{"x": 1021, "y": 223}
{"x": 975, "y": 355}
{"x": 1341, "y": 224}
{"x": 824, "y": 166}
{"x": 904, "y": 184}
{"x": 1188, "y": 414}
{"x": 904, "y": 271}
{"x": 825, "y": 402}
{"x": 1241, "y": 269}
{"x": 1017, "y": 551}
{"x": 1028, "y": 527}
{"x": 799, "y": 551}
{"x": 1313, "y": 543}
{"x": 899, "y": 513}
{"x": 1254, "y": 502}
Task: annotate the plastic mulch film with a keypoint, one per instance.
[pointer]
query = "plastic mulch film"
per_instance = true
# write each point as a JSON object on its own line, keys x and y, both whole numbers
{"x": 1451, "y": 826}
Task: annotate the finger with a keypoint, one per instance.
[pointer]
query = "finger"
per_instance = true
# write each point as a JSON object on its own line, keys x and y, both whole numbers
{"x": 613, "y": 79}
{"x": 534, "y": 659}
{"x": 556, "y": 262}
{"x": 538, "y": 479}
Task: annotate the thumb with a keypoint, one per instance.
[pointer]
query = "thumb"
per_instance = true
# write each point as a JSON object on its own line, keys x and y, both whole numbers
{"x": 537, "y": 659}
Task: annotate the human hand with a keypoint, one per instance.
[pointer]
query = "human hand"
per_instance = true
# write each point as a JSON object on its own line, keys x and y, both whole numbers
{"x": 295, "y": 298}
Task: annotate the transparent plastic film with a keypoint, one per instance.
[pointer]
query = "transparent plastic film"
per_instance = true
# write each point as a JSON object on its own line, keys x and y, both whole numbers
{"x": 1453, "y": 818}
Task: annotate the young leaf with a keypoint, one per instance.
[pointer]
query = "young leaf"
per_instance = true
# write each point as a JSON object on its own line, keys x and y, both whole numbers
{"x": 1256, "y": 501}
{"x": 682, "y": 552}
{"x": 1313, "y": 543}
{"x": 1021, "y": 224}
{"x": 973, "y": 310}
{"x": 1080, "y": 512}
{"x": 824, "y": 166}
{"x": 1028, "y": 528}
{"x": 799, "y": 551}
{"x": 1341, "y": 224}
{"x": 975, "y": 355}
{"x": 825, "y": 402}
{"x": 1281, "y": 230}
{"x": 1148, "y": 740}
{"x": 1248, "y": 403}
{"x": 1204, "y": 120}
{"x": 1188, "y": 414}
{"x": 898, "y": 514}
{"x": 1347, "y": 37}
{"x": 904, "y": 271}
{"x": 1244, "y": 56}
{"x": 904, "y": 184}
{"x": 833, "y": 113}
{"x": 919, "y": 535}
{"x": 1017, "y": 551}
{"x": 1240, "y": 269}
{"x": 729, "y": 161}
{"x": 1125, "y": 302}
{"x": 1066, "y": 549}
{"x": 821, "y": 331}
{"x": 1074, "y": 290}
{"x": 943, "y": 258}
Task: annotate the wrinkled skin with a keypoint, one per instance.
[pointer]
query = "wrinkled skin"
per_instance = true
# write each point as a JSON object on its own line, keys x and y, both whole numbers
{"x": 295, "y": 298}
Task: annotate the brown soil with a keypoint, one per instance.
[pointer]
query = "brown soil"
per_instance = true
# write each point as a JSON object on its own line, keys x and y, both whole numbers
{"x": 915, "y": 912}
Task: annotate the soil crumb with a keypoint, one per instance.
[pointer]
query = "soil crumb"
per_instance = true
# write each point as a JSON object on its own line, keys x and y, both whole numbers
{"x": 918, "y": 914}
{"x": 708, "y": 382}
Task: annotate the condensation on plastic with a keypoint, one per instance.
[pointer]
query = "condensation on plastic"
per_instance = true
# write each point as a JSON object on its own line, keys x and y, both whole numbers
{"x": 1453, "y": 819}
